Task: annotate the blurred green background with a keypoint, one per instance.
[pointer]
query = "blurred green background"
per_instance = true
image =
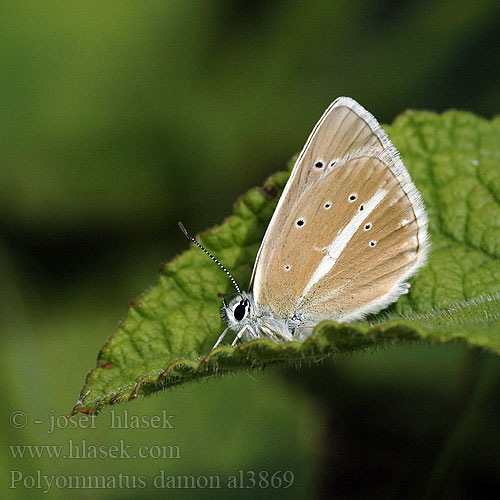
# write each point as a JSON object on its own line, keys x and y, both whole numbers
{"x": 118, "y": 119}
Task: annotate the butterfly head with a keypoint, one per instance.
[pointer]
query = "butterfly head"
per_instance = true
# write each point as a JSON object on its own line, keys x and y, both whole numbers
{"x": 237, "y": 313}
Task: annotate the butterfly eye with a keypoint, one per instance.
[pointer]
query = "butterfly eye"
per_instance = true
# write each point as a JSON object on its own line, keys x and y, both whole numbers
{"x": 240, "y": 310}
{"x": 373, "y": 243}
{"x": 300, "y": 222}
{"x": 319, "y": 164}
{"x": 353, "y": 197}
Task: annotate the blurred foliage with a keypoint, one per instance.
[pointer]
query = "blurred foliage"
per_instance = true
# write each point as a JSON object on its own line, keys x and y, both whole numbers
{"x": 118, "y": 118}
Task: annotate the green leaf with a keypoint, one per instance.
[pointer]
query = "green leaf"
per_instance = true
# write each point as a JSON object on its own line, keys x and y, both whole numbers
{"x": 166, "y": 339}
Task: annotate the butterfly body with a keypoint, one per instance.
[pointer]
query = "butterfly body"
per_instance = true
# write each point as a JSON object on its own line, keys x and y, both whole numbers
{"x": 250, "y": 321}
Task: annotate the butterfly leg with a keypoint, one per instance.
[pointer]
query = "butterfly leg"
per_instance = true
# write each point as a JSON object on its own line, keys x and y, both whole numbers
{"x": 219, "y": 340}
{"x": 297, "y": 327}
{"x": 274, "y": 336}
{"x": 239, "y": 335}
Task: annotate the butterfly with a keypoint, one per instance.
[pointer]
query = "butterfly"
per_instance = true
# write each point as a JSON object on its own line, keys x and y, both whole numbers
{"x": 349, "y": 230}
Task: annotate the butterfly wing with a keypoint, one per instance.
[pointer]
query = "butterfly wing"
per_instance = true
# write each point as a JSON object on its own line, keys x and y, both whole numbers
{"x": 350, "y": 227}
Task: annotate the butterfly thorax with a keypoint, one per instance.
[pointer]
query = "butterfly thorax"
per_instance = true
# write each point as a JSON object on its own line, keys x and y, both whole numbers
{"x": 251, "y": 321}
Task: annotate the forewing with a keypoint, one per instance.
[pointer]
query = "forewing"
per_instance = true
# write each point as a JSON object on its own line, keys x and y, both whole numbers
{"x": 316, "y": 257}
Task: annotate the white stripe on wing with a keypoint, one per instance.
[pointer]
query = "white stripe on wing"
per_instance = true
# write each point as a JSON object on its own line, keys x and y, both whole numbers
{"x": 340, "y": 241}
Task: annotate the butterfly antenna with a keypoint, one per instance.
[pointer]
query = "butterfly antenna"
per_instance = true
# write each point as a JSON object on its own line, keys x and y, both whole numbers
{"x": 189, "y": 237}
